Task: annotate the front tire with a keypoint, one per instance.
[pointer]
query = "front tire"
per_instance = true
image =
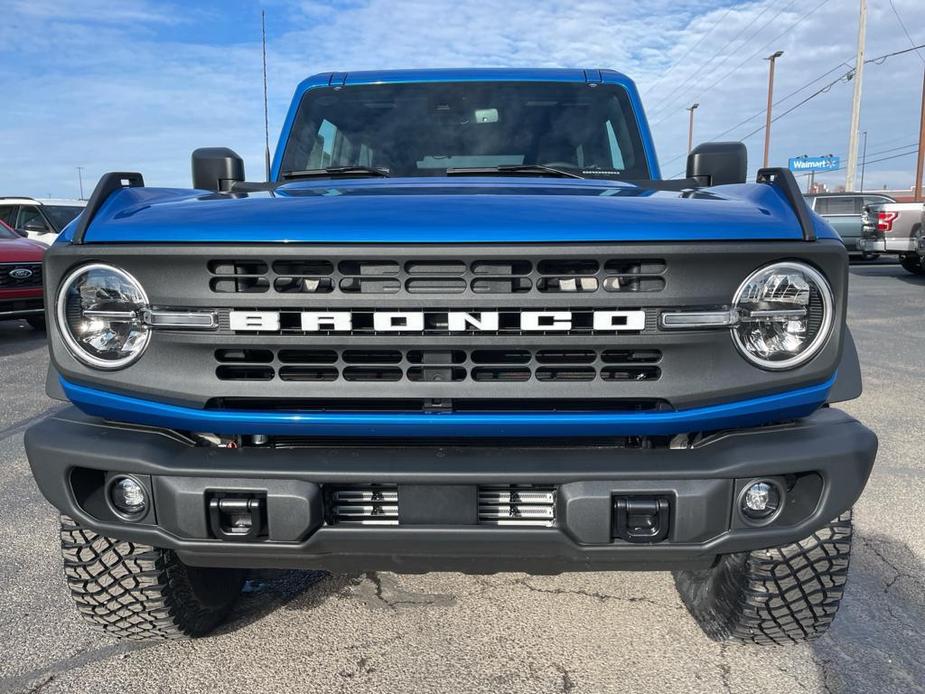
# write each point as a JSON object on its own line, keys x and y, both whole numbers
{"x": 781, "y": 595}
{"x": 139, "y": 592}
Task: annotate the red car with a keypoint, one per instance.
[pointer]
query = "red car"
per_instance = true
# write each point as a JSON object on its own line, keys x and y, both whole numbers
{"x": 21, "y": 278}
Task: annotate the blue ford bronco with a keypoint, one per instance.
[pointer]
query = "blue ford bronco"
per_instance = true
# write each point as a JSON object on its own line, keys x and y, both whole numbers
{"x": 464, "y": 326}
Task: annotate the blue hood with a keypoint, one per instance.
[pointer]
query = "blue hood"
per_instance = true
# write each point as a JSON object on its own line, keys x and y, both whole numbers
{"x": 445, "y": 210}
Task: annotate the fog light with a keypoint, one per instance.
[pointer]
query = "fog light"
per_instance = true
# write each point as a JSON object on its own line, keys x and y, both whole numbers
{"x": 128, "y": 496}
{"x": 761, "y": 500}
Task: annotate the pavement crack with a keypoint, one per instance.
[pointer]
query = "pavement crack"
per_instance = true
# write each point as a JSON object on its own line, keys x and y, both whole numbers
{"x": 40, "y": 685}
{"x": 602, "y": 597}
{"x": 724, "y": 670}
{"x": 566, "y": 684}
{"x": 376, "y": 580}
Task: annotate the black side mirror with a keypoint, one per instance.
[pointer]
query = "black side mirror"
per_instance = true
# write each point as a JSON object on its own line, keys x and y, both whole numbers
{"x": 718, "y": 163}
{"x": 216, "y": 168}
{"x": 36, "y": 227}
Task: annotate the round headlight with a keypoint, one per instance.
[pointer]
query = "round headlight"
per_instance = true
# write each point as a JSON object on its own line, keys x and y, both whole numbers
{"x": 100, "y": 314}
{"x": 785, "y": 315}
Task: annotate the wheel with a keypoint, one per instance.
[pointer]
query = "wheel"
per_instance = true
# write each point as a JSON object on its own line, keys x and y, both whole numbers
{"x": 37, "y": 322}
{"x": 139, "y": 592}
{"x": 912, "y": 262}
{"x": 780, "y": 595}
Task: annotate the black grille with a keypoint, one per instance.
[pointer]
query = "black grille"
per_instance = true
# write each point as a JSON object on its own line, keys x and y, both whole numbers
{"x": 9, "y": 280}
{"x": 439, "y": 365}
{"x": 445, "y": 276}
{"x": 412, "y": 405}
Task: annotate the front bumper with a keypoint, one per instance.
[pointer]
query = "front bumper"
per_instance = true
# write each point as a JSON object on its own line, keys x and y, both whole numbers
{"x": 827, "y": 457}
{"x": 21, "y": 307}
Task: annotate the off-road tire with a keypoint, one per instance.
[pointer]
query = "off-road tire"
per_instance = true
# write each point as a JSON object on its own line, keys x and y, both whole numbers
{"x": 37, "y": 323}
{"x": 139, "y": 592}
{"x": 780, "y": 595}
{"x": 912, "y": 262}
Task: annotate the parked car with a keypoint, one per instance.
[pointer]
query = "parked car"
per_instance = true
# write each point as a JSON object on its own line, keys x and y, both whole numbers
{"x": 21, "y": 278}
{"x": 39, "y": 220}
{"x": 844, "y": 212}
{"x": 894, "y": 228}
{"x": 920, "y": 239}
{"x": 466, "y": 326}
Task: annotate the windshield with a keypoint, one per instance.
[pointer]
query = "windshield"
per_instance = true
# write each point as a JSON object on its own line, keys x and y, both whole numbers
{"x": 6, "y": 232}
{"x": 425, "y": 129}
{"x": 61, "y": 215}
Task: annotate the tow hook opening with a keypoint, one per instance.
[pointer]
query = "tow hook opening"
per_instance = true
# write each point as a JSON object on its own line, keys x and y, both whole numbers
{"x": 641, "y": 519}
{"x": 237, "y": 517}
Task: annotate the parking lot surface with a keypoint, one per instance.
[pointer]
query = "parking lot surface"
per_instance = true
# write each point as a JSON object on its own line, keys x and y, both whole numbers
{"x": 602, "y": 632}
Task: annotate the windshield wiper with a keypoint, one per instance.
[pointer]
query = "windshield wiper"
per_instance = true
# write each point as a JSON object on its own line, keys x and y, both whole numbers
{"x": 515, "y": 169}
{"x": 336, "y": 171}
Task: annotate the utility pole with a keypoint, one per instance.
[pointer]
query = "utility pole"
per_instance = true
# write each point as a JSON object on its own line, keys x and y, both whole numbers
{"x": 856, "y": 102}
{"x": 80, "y": 181}
{"x": 690, "y": 127}
{"x": 920, "y": 159}
{"x": 863, "y": 160}
{"x": 266, "y": 116}
{"x": 767, "y": 125}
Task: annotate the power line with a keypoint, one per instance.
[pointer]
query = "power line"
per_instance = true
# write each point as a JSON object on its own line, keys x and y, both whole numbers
{"x": 672, "y": 96}
{"x": 764, "y": 47}
{"x": 879, "y": 60}
{"x": 761, "y": 112}
{"x": 873, "y": 161}
{"x": 689, "y": 51}
{"x": 905, "y": 30}
{"x": 786, "y": 31}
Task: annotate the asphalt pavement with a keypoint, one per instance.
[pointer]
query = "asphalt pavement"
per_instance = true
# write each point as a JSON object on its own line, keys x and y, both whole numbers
{"x": 586, "y": 632}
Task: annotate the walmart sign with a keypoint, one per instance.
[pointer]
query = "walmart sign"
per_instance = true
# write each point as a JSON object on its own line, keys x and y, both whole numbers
{"x": 807, "y": 164}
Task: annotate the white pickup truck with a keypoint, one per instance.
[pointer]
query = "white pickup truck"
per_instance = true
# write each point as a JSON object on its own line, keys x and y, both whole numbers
{"x": 894, "y": 227}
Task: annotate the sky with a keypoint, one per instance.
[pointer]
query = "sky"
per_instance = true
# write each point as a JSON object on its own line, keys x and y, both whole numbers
{"x": 138, "y": 84}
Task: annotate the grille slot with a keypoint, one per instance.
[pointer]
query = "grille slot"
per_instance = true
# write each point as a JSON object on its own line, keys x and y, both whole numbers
{"x": 442, "y": 276}
{"x": 372, "y": 505}
{"x": 308, "y": 373}
{"x": 244, "y": 372}
{"x": 551, "y": 366}
{"x": 517, "y": 505}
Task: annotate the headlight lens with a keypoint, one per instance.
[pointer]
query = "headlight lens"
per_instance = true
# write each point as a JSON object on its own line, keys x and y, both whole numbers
{"x": 100, "y": 314}
{"x": 786, "y": 312}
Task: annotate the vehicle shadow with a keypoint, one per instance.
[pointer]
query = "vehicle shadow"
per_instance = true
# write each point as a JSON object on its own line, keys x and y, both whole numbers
{"x": 266, "y": 591}
{"x": 877, "y": 642}
{"x": 885, "y": 270}
{"x": 17, "y": 337}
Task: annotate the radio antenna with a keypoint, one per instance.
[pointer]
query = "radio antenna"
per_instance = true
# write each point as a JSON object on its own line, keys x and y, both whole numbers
{"x": 266, "y": 117}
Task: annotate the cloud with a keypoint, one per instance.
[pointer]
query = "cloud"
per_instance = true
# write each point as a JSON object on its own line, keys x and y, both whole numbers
{"x": 138, "y": 85}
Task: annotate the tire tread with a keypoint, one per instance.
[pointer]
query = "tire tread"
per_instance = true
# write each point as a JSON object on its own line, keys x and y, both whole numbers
{"x": 775, "y": 596}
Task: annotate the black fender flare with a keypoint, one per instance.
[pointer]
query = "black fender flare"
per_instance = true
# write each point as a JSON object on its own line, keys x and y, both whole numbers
{"x": 848, "y": 384}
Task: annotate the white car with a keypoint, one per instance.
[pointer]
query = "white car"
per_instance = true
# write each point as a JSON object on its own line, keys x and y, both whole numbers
{"x": 40, "y": 220}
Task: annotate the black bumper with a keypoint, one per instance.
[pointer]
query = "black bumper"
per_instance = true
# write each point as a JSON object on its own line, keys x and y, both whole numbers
{"x": 824, "y": 461}
{"x": 21, "y": 308}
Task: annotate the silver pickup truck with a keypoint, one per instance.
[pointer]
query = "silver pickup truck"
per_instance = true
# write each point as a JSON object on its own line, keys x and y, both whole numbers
{"x": 894, "y": 227}
{"x": 844, "y": 212}
{"x": 920, "y": 239}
